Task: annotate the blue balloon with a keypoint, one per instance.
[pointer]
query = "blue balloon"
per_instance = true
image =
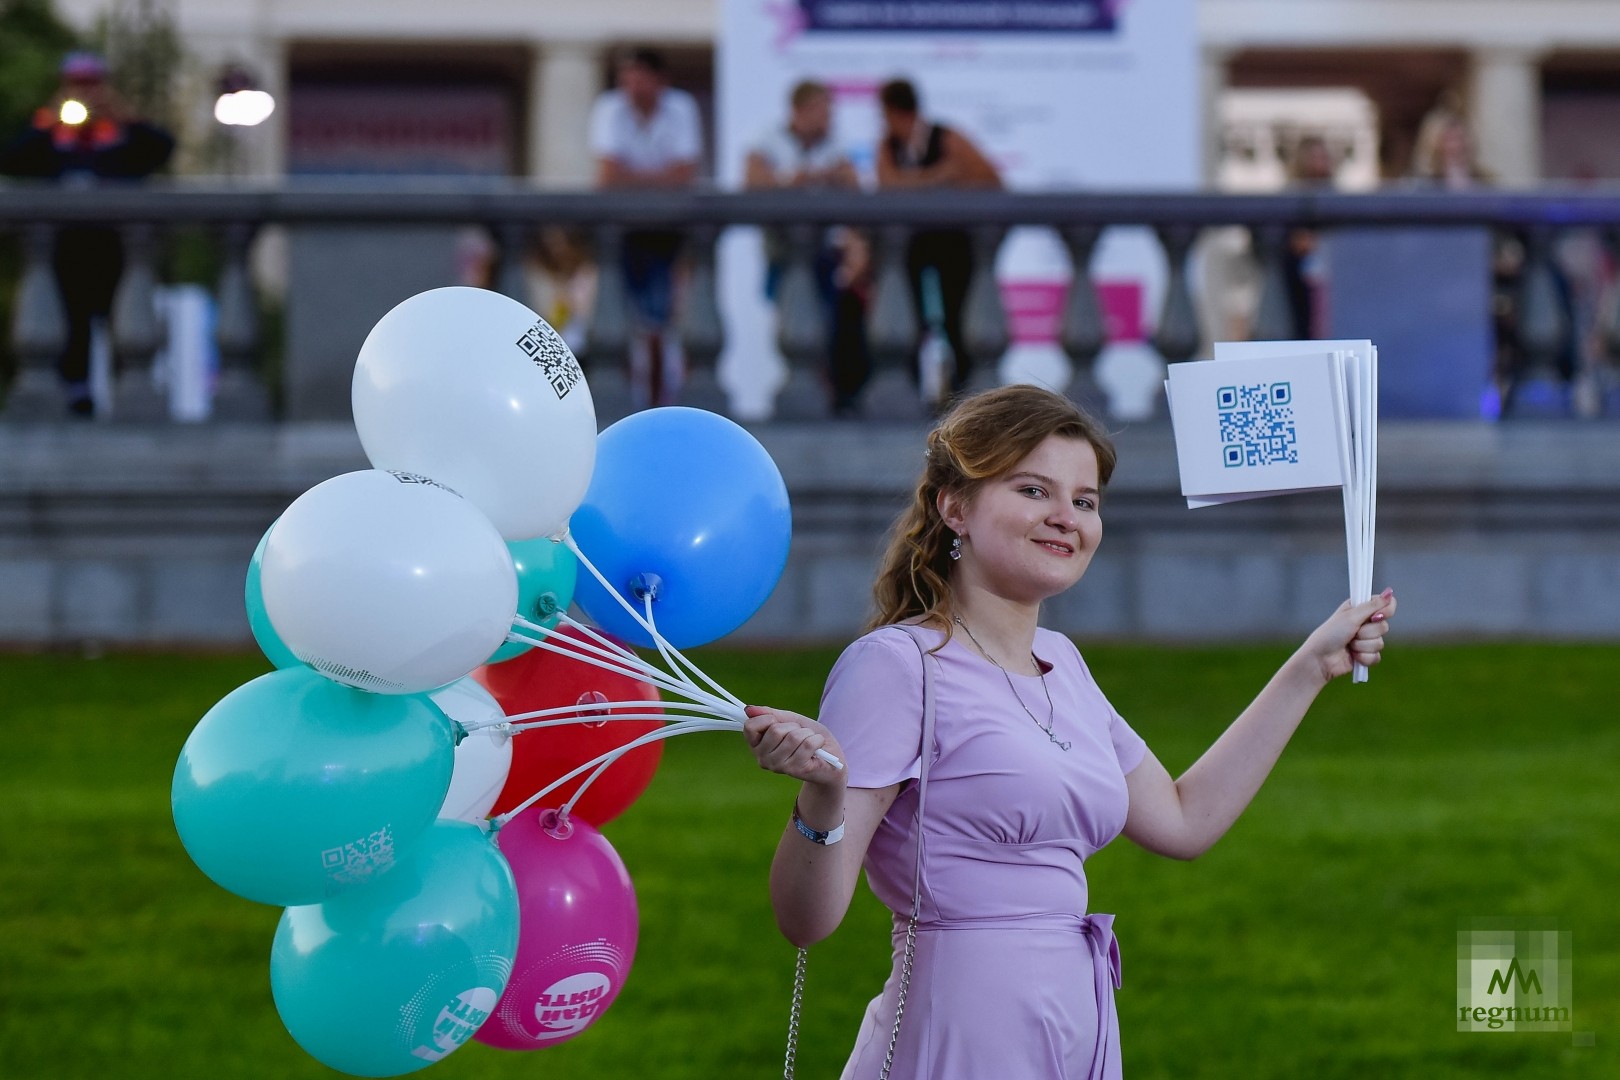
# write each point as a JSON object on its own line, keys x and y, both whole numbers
{"x": 390, "y": 978}
{"x": 294, "y": 788}
{"x": 691, "y": 499}
{"x": 270, "y": 642}
{"x": 546, "y": 573}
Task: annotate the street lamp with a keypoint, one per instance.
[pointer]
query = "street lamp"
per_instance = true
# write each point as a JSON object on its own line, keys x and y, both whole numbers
{"x": 241, "y": 103}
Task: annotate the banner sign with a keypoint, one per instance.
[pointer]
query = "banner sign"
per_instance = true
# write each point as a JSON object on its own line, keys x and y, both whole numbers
{"x": 1097, "y": 95}
{"x": 945, "y": 16}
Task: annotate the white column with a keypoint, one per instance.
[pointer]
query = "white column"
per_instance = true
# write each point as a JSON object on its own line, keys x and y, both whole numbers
{"x": 1505, "y": 106}
{"x": 1213, "y": 63}
{"x": 566, "y": 78}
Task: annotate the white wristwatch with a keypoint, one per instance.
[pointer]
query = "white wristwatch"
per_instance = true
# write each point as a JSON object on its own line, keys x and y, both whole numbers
{"x": 816, "y": 836}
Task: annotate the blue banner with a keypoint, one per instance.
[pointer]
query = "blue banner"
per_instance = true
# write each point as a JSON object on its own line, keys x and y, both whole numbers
{"x": 977, "y": 16}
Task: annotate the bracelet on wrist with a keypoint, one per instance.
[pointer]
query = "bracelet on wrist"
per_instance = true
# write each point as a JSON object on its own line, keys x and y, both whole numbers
{"x": 816, "y": 836}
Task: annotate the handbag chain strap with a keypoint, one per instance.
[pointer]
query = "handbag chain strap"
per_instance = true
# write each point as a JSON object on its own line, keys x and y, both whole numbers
{"x": 793, "y": 1015}
{"x": 790, "y": 1060}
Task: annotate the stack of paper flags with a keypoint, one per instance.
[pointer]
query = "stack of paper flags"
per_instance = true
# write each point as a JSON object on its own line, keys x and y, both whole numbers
{"x": 1278, "y": 417}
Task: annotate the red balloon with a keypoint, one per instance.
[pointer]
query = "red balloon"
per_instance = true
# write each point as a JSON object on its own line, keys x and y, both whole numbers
{"x": 540, "y": 679}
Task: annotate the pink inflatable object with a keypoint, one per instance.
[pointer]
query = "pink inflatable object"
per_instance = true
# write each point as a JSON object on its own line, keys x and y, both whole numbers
{"x": 578, "y": 931}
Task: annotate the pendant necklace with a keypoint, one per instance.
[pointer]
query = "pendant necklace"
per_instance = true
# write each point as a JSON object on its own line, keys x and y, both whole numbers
{"x": 1051, "y": 710}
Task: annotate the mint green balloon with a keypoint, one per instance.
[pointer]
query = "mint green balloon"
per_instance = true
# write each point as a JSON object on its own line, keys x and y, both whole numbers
{"x": 294, "y": 788}
{"x": 264, "y": 633}
{"x": 393, "y": 977}
{"x": 546, "y": 572}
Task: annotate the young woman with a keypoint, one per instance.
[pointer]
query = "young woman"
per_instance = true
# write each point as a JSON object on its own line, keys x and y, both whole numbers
{"x": 1030, "y": 769}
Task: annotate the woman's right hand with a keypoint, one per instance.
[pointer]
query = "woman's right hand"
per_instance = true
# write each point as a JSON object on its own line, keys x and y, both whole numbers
{"x": 785, "y": 742}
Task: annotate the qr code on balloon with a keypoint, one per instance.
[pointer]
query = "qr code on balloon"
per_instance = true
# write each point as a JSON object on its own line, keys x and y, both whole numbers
{"x": 360, "y": 861}
{"x": 1257, "y": 425}
{"x": 552, "y": 356}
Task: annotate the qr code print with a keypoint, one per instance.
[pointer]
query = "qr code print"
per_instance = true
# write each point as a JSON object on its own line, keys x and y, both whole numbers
{"x": 552, "y": 356}
{"x": 1257, "y": 425}
{"x": 426, "y": 481}
{"x": 360, "y": 861}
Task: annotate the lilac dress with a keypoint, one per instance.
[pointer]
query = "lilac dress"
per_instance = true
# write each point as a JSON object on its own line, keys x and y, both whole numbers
{"x": 1012, "y": 978}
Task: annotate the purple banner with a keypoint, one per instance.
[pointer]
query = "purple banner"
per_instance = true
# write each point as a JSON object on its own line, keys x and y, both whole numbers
{"x": 978, "y": 16}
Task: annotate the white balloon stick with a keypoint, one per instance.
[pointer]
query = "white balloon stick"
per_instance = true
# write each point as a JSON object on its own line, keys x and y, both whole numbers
{"x": 652, "y": 675}
{"x": 570, "y": 710}
{"x": 674, "y": 657}
{"x": 563, "y": 722}
{"x": 613, "y": 654}
{"x": 643, "y": 622}
{"x": 651, "y": 737}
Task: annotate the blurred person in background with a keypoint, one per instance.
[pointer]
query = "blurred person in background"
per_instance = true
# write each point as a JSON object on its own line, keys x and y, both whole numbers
{"x": 647, "y": 135}
{"x": 85, "y": 134}
{"x": 1312, "y": 169}
{"x": 918, "y": 154}
{"x": 802, "y": 155}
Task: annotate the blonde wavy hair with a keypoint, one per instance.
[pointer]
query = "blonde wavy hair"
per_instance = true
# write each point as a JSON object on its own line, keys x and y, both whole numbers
{"x": 983, "y": 437}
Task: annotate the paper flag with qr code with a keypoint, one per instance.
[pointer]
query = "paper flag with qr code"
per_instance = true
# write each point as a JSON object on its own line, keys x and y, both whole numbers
{"x": 1278, "y": 417}
{"x": 1255, "y": 427}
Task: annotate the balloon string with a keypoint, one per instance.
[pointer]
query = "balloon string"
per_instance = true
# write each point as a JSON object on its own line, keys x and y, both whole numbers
{"x": 675, "y": 682}
{"x": 613, "y": 755}
{"x": 671, "y": 655}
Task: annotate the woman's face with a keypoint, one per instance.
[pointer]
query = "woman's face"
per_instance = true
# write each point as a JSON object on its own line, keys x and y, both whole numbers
{"x": 1030, "y": 533}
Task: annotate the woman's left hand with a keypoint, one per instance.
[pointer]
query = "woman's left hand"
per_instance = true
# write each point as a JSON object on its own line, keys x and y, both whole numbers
{"x": 1352, "y": 635}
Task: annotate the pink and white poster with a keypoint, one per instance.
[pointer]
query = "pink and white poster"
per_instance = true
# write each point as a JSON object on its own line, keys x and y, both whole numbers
{"x": 1098, "y": 95}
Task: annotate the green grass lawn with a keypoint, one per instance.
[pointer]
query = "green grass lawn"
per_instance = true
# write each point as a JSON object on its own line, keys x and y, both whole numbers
{"x": 1317, "y": 940}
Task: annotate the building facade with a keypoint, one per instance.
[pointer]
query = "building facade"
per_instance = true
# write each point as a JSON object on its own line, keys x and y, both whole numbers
{"x": 482, "y": 86}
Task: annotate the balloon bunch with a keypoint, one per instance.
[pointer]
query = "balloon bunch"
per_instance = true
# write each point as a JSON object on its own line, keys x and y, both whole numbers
{"x": 351, "y": 785}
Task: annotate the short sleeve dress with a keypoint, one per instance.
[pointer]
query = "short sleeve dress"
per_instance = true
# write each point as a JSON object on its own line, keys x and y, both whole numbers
{"x": 1012, "y": 978}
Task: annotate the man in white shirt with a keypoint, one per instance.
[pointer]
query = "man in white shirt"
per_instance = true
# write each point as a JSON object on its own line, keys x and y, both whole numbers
{"x": 646, "y": 134}
{"x": 802, "y": 154}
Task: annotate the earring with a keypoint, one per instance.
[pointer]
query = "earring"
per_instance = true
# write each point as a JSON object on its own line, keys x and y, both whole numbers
{"x": 956, "y": 549}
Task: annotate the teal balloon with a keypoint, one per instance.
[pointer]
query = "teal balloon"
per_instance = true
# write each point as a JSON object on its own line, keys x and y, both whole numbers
{"x": 546, "y": 572}
{"x": 294, "y": 788}
{"x": 270, "y": 642}
{"x": 393, "y": 977}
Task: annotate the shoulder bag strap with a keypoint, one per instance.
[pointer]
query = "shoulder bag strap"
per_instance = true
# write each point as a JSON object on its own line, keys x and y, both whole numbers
{"x": 925, "y": 752}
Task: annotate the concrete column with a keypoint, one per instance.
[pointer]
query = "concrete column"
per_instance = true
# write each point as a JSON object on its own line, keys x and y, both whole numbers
{"x": 1213, "y": 64}
{"x": 565, "y": 80}
{"x": 1504, "y": 89}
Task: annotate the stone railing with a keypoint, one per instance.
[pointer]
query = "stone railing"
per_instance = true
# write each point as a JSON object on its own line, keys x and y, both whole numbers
{"x": 512, "y": 215}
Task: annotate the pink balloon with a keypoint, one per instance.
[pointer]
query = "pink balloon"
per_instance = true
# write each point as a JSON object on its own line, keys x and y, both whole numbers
{"x": 578, "y": 913}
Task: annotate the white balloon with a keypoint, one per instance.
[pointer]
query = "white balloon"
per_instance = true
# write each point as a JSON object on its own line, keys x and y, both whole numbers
{"x": 475, "y": 390}
{"x": 483, "y": 758}
{"x": 389, "y": 582}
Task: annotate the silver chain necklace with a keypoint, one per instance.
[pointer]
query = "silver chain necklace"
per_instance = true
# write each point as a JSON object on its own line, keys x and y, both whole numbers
{"x": 1051, "y": 710}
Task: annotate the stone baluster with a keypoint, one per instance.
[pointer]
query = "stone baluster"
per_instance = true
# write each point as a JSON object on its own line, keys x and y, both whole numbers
{"x": 38, "y": 333}
{"x": 802, "y": 329}
{"x": 984, "y": 316}
{"x": 1544, "y": 332}
{"x": 608, "y": 333}
{"x": 701, "y": 331}
{"x": 137, "y": 334}
{"x": 511, "y": 248}
{"x": 1083, "y": 331}
{"x": 891, "y": 333}
{"x": 1273, "y": 318}
{"x": 1177, "y": 335}
{"x": 239, "y": 394}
